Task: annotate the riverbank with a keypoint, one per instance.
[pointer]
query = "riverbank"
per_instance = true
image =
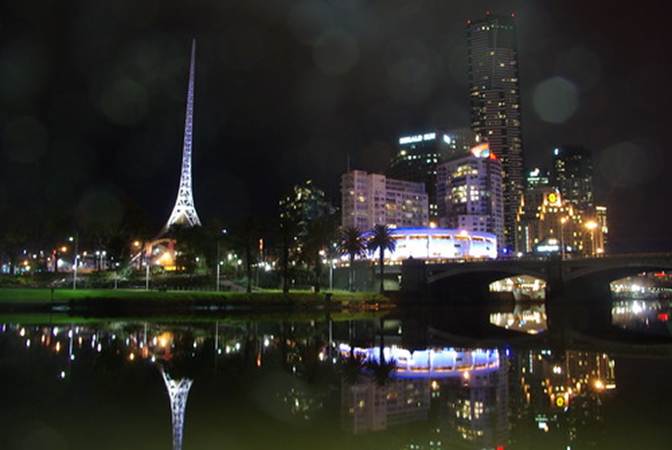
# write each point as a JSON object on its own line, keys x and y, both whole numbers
{"x": 93, "y": 300}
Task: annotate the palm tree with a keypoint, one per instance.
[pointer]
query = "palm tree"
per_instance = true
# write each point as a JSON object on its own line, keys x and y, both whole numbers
{"x": 382, "y": 240}
{"x": 352, "y": 244}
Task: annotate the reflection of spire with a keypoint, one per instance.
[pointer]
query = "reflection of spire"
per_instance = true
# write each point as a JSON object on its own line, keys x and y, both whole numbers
{"x": 184, "y": 211}
{"x": 178, "y": 391}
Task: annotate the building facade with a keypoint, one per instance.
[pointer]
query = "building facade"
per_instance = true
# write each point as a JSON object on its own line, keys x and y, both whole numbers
{"x": 420, "y": 154}
{"x": 548, "y": 224}
{"x": 537, "y": 178}
{"x": 495, "y": 102}
{"x": 573, "y": 175}
{"x": 370, "y": 199}
{"x": 470, "y": 193}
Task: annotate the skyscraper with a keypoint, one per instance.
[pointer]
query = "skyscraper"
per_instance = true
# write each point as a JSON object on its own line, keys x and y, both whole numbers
{"x": 373, "y": 199}
{"x": 469, "y": 190}
{"x": 419, "y": 155}
{"x": 537, "y": 178}
{"x": 495, "y": 102}
{"x": 573, "y": 175}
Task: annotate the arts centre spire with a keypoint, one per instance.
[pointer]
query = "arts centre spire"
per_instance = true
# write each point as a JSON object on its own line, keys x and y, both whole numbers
{"x": 184, "y": 211}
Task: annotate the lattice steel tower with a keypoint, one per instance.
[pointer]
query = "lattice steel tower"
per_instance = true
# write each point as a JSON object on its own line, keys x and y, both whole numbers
{"x": 184, "y": 211}
{"x": 178, "y": 391}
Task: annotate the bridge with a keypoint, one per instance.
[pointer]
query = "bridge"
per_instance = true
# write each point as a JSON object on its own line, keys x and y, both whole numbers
{"x": 568, "y": 278}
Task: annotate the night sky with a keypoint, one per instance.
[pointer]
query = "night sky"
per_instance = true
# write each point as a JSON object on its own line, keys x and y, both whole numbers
{"x": 92, "y": 100}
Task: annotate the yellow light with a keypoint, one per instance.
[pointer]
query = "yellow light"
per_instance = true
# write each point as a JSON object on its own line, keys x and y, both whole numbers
{"x": 165, "y": 339}
{"x": 64, "y": 249}
{"x": 560, "y": 401}
{"x": 432, "y": 224}
{"x": 563, "y": 220}
{"x": 131, "y": 356}
{"x": 598, "y": 385}
{"x": 136, "y": 244}
{"x": 591, "y": 225}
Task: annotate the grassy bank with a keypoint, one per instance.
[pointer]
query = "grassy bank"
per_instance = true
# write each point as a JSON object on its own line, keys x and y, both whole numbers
{"x": 46, "y": 296}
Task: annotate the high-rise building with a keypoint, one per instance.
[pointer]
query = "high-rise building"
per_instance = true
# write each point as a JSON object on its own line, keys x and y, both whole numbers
{"x": 537, "y": 178}
{"x": 547, "y": 223}
{"x": 601, "y": 219}
{"x": 373, "y": 199}
{"x": 420, "y": 154}
{"x": 469, "y": 191}
{"x": 495, "y": 102}
{"x": 573, "y": 175}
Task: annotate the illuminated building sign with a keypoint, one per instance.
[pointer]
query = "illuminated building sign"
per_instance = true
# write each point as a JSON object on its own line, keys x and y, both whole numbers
{"x": 482, "y": 151}
{"x": 417, "y": 138}
{"x": 553, "y": 198}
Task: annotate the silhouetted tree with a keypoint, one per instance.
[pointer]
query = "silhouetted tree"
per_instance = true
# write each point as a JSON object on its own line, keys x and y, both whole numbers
{"x": 352, "y": 244}
{"x": 382, "y": 240}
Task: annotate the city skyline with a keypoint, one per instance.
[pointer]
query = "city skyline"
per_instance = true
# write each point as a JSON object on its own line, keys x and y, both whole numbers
{"x": 89, "y": 140}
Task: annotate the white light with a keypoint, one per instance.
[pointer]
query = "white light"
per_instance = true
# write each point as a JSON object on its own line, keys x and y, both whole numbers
{"x": 447, "y": 139}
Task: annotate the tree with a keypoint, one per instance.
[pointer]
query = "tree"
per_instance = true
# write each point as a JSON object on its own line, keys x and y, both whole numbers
{"x": 191, "y": 246}
{"x": 320, "y": 233}
{"x": 382, "y": 240}
{"x": 299, "y": 209}
{"x": 244, "y": 238}
{"x": 352, "y": 244}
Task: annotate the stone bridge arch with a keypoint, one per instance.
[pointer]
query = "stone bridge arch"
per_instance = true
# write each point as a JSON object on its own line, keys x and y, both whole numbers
{"x": 457, "y": 280}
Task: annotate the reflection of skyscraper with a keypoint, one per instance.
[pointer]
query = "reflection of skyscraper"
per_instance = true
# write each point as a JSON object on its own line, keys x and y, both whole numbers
{"x": 495, "y": 102}
{"x": 178, "y": 392}
{"x": 368, "y": 406}
{"x": 474, "y": 407}
{"x": 562, "y": 393}
{"x": 460, "y": 394}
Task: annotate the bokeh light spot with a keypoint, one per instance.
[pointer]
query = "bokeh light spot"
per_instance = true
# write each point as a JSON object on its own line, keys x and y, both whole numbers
{"x": 555, "y": 100}
{"x": 124, "y": 102}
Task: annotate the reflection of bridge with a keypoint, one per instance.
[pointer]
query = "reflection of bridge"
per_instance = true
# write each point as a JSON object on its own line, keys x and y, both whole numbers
{"x": 576, "y": 277}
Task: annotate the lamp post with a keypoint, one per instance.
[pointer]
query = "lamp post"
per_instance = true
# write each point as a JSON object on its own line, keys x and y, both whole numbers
{"x": 331, "y": 275}
{"x": 75, "y": 240}
{"x": 146, "y": 274}
{"x": 219, "y": 263}
{"x": 562, "y": 237}
{"x": 591, "y": 225}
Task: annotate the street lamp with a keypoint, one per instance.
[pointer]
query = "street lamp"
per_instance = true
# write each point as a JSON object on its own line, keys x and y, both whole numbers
{"x": 219, "y": 263}
{"x": 591, "y": 225}
{"x": 75, "y": 240}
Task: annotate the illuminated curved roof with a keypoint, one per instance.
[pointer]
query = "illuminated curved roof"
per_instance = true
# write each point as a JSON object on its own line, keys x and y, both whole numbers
{"x": 429, "y": 231}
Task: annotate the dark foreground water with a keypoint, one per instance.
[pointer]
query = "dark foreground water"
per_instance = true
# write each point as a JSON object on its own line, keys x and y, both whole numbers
{"x": 499, "y": 380}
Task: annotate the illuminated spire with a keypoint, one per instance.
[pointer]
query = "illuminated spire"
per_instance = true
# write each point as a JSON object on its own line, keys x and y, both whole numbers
{"x": 178, "y": 391}
{"x": 184, "y": 211}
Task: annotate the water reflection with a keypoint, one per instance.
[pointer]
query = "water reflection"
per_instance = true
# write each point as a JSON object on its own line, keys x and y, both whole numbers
{"x": 526, "y": 317}
{"x": 388, "y": 388}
